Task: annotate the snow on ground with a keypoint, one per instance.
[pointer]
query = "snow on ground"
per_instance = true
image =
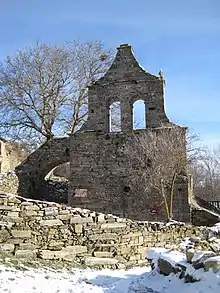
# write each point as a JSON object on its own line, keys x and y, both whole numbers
{"x": 76, "y": 281}
{"x": 137, "y": 280}
{"x": 216, "y": 228}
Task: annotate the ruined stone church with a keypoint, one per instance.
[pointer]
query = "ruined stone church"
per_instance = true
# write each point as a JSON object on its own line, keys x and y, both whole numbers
{"x": 98, "y": 166}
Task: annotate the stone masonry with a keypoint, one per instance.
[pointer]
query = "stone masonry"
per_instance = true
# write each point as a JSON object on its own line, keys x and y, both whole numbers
{"x": 49, "y": 231}
{"x": 100, "y": 165}
{"x": 11, "y": 155}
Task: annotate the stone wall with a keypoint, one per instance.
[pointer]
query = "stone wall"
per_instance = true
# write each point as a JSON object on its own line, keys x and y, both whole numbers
{"x": 33, "y": 170}
{"x": 9, "y": 182}
{"x": 11, "y": 155}
{"x": 58, "y": 192}
{"x": 36, "y": 229}
{"x": 98, "y": 163}
{"x": 52, "y": 191}
{"x": 103, "y": 167}
{"x": 126, "y": 82}
{"x": 202, "y": 217}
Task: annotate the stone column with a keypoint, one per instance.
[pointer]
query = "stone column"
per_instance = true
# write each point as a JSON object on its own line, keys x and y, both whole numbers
{"x": 126, "y": 116}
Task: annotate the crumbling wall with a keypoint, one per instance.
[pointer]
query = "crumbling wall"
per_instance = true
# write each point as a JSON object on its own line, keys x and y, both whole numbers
{"x": 33, "y": 170}
{"x": 102, "y": 167}
{"x": 11, "y": 155}
{"x": 9, "y": 182}
{"x": 98, "y": 163}
{"x": 126, "y": 82}
{"x": 36, "y": 229}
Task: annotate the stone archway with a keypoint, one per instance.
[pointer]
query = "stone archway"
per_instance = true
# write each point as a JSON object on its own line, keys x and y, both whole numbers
{"x": 33, "y": 170}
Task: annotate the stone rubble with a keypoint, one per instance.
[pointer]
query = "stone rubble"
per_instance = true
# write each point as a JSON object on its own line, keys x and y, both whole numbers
{"x": 168, "y": 262}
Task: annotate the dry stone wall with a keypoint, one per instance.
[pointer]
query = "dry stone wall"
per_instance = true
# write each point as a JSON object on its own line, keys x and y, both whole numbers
{"x": 50, "y": 231}
{"x": 9, "y": 182}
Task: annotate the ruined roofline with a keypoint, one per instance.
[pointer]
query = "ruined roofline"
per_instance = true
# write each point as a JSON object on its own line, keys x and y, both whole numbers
{"x": 123, "y": 65}
{"x": 129, "y": 48}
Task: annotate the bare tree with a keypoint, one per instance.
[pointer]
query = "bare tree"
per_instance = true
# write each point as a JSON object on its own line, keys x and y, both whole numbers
{"x": 43, "y": 89}
{"x": 206, "y": 175}
{"x": 161, "y": 155}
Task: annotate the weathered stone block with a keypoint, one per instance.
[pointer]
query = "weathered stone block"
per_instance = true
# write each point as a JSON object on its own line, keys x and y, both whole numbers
{"x": 7, "y": 247}
{"x": 51, "y": 211}
{"x": 103, "y": 236}
{"x": 134, "y": 257}
{"x": 13, "y": 199}
{"x": 28, "y": 213}
{"x": 55, "y": 222}
{"x": 76, "y": 220}
{"x": 56, "y": 245}
{"x": 15, "y": 240}
{"x": 4, "y": 235}
{"x": 125, "y": 250}
{"x": 132, "y": 234}
{"x": 26, "y": 246}
{"x": 88, "y": 220}
{"x": 77, "y": 249}
{"x": 103, "y": 254}
{"x": 78, "y": 228}
{"x": 140, "y": 239}
{"x": 166, "y": 267}
{"x": 13, "y": 214}
{"x": 94, "y": 261}
{"x": 49, "y": 254}
{"x": 30, "y": 254}
{"x": 26, "y": 203}
{"x": 6, "y": 207}
{"x": 101, "y": 218}
{"x": 64, "y": 217}
{"x": 21, "y": 233}
{"x": 64, "y": 212}
{"x": 7, "y": 224}
{"x": 65, "y": 253}
{"x": 31, "y": 208}
{"x": 11, "y": 219}
{"x": 115, "y": 225}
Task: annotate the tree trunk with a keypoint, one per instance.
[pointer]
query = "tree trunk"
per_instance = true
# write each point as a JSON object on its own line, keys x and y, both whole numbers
{"x": 171, "y": 195}
{"x": 165, "y": 201}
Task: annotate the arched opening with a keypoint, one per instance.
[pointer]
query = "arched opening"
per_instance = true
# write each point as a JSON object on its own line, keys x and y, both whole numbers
{"x": 61, "y": 172}
{"x": 54, "y": 186}
{"x": 139, "y": 115}
{"x": 115, "y": 117}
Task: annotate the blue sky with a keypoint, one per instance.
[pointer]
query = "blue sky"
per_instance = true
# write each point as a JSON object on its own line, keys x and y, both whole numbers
{"x": 181, "y": 37}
